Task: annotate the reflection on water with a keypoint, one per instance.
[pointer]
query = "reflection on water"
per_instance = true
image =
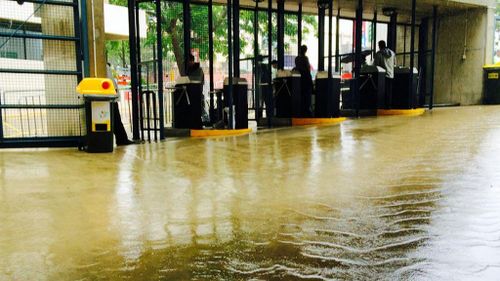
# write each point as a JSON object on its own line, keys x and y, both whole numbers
{"x": 372, "y": 199}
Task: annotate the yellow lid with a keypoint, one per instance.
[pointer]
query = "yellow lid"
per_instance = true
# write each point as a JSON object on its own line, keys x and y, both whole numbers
{"x": 496, "y": 65}
{"x": 96, "y": 86}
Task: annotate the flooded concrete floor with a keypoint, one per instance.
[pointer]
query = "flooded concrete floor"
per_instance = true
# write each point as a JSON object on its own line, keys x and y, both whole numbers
{"x": 389, "y": 198}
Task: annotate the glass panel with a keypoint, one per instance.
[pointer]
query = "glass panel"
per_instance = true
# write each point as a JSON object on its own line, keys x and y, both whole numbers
{"x": 291, "y": 40}
{"x": 334, "y": 29}
{"x": 246, "y": 45}
{"x": 310, "y": 39}
{"x": 220, "y": 45}
{"x": 382, "y": 32}
{"x": 199, "y": 40}
{"x": 403, "y": 47}
{"x": 401, "y": 35}
{"x": 346, "y": 38}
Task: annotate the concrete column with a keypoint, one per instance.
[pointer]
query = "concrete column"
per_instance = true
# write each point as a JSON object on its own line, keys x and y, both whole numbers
{"x": 462, "y": 49}
{"x": 96, "y": 39}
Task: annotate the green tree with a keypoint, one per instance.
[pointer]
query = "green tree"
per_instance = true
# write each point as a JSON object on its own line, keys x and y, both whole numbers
{"x": 172, "y": 27}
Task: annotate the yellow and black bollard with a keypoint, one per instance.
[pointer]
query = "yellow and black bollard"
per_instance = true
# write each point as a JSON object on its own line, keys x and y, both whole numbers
{"x": 99, "y": 94}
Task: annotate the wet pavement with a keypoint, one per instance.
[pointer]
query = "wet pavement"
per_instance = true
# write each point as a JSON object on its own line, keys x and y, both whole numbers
{"x": 389, "y": 198}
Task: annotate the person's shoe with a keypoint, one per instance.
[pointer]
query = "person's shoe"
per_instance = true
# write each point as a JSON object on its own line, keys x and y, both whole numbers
{"x": 125, "y": 142}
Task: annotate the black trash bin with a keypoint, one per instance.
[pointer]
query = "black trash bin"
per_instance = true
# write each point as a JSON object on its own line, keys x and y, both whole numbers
{"x": 492, "y": 84}
{"x": 240, "y": 101}
{"x": 288, "y": 94}
{"x": 327, "y": 102}
{"x": 187, "y": 99}
{"x": 99, "y": 95}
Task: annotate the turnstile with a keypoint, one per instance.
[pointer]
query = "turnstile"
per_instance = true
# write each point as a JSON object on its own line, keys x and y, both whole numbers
{"x": 327, "y": 101}
{"x": 187, "y": 99}
{"x": 371, "y": 89}
{"x": 287, "y": 94}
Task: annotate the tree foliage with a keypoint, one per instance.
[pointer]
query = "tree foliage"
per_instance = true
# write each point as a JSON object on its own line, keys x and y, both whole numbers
{"x": 172, "y": 28}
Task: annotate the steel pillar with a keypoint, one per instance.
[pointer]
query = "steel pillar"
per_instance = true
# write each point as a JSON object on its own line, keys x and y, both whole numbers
{"x": 281, "y": 34}
{"x": 299, "y": 26}
{"x": 236, "y": 37}
{"x": 374, "y": 34}
{"x": 134, "y": 81}
{"x": 186, "y": 21}
{"x": 270, "y": 103}
{"x": 230, "y": 64}
{"x": 337, "y": 43}
{"x": 357, "y": 53}
{"x": 433, "y": 54}
{"x": 257, "y": 63}
{"x": 330, "y": 35}
{"x": 392, "y": 32}
{"x": 422, "y": 60}
{"x": 321, "y": 38}
{"x": 160, "y": 68}
{"x": 411, "y": 90}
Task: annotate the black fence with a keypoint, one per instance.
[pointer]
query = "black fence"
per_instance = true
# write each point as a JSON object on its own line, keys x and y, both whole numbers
{"x": 40, "y": 67}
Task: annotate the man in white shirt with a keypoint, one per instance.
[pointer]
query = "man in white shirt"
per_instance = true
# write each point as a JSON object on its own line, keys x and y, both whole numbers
{"x": 386, "y": 59}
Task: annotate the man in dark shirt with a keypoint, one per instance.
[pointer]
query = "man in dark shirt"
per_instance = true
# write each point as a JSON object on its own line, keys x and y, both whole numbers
{"x": 195, "y": 73}
{"x": 304, "y": 67}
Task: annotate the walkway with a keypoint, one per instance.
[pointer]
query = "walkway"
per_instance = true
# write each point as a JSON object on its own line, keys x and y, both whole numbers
{"x": 404, "y": 198}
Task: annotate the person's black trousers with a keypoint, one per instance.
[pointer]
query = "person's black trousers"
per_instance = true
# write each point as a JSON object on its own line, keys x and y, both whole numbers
{"x": 388, "y": 92}
{"x": 307, "y": 91}
{"x": 119, "y": 130}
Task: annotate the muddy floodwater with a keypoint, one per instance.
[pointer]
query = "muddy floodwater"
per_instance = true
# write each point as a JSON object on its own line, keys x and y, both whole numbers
{"x": 388, "y": 198}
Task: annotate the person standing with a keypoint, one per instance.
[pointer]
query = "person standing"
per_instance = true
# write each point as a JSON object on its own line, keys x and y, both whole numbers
{"x": 195, "y": 73}
{"x": 304, "y": 67}
{"x": 386, "y": 59}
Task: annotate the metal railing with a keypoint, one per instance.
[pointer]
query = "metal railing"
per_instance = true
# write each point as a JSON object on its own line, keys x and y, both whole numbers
{"x": 28, "y": 118}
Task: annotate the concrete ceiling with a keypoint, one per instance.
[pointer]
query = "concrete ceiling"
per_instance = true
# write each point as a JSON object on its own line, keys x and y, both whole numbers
{"x": 348, "y": 7}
